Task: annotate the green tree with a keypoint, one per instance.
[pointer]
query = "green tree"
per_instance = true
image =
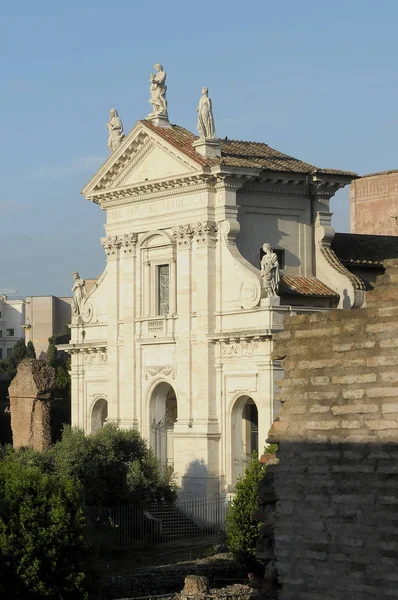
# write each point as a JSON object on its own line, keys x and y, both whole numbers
{"x": 51, "y": 352}
{"x": 43, "y": 547}
{"x": 241, "y": 529}
{"x": 61, "y": 400}
{"x": 30, "y": 350}
{"x": 115, "y": 466}
{"x": 19, "y": 352}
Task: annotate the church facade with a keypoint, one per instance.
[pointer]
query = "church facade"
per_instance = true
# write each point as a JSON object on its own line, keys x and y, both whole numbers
{"x": 175, "y": 337}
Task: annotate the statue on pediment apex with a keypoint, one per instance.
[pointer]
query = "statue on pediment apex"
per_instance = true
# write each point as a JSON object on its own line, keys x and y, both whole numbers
{"x": 115, "y": 130}
{"x": 205, "y": 125}
{"x": 270, "y": 272}
{"x": 158, "y": 91}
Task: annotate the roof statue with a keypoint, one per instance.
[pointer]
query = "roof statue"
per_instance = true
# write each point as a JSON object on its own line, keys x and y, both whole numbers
{"x": 79, "y": 293}
{"x": 158, "y": 91}
{"x": 270, "y": 272}
{"x": 115, "y": 130}
{"x": 205, "y": 125}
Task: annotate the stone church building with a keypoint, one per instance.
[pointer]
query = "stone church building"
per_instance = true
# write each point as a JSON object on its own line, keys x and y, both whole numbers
{"x": 175, "y": 337}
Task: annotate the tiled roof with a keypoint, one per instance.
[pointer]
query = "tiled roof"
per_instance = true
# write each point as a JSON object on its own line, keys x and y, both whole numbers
{"x": 380, "y": 173}
{"x": 237, "y": 153}
{"x": 305, "y": 286}
{"x": 364, "y": 250}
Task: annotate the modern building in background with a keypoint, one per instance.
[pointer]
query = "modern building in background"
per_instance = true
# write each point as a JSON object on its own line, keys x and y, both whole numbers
{"x": 45, "y": 316}
{"x": 374, "y": 204}
{"x": 35, "y": 318}
{"x": 12, "y": 318}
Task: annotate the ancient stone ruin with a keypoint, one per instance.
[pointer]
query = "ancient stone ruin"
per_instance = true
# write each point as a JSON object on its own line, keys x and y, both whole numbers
{"x": 30, "y": 393}
{"x": 330, "y": 507}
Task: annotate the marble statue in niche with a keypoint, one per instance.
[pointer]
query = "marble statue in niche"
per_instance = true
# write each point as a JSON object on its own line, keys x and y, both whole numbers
{"x": 270, "y": 272}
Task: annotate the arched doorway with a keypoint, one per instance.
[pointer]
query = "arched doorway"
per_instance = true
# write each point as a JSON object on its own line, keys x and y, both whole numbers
{"x": 99, "y": 414}
{"x": 163, "y": 412}
{"x": 244, "y": 423}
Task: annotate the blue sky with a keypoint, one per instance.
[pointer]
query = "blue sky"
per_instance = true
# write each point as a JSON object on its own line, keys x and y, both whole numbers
{"x": 314, "y": 79}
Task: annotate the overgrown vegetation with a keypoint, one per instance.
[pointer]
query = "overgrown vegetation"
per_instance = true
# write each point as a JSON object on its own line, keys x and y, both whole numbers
{"x": 43, "y": 547}
{"x": 61, "y": 395}
{"x": 115, "y": 466}
{"x": 241, "y": 529}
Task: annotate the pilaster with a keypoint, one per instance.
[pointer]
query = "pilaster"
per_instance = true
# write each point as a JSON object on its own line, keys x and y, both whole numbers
{"x": 183, "y": 236}
{"x": 126, "y": 339}
{"x": 111, "y": 245}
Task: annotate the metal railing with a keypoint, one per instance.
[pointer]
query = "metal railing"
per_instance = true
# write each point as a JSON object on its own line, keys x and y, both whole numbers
{"x": 125, "y": 527}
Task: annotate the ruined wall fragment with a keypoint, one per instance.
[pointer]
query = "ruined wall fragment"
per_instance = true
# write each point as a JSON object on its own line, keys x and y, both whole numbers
{"x": 30, "y": 393}
{"x": 331, "y": 512}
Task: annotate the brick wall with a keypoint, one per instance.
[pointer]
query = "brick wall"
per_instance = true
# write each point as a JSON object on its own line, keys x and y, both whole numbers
{"x": 331, "y": 504}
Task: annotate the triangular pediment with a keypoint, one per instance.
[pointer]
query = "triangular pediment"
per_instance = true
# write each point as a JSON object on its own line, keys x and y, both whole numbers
{"x": 143, "y": 156}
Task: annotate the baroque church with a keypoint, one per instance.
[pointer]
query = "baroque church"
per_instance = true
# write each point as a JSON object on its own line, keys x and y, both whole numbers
{"x": 210, "y": 244}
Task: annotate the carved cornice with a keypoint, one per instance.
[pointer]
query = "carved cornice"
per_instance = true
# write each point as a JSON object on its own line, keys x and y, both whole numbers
{"x": 177, "y": 158}
{"x": 112, "y": 173}
{"x": 147, "y": 147}
{"x": 126, "y": 242}
{"x": 152, "y": 190}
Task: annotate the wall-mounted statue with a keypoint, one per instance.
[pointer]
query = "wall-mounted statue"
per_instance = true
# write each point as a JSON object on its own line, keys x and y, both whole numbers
{"x": 115, "y": 130}
{"x": 205, "y": 125}
{"x": 158, "y": 91}
{"x": 79, "y": 293}
{"x": 270, "y": 272}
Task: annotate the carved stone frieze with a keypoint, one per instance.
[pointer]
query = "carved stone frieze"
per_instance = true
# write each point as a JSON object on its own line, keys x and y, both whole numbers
{"x": 167, "y": 370}
{"x": 241, "y": 348}
{"x": 95, "y": 358}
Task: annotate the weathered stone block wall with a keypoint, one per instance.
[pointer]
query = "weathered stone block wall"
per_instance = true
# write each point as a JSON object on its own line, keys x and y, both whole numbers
{"x": 30, "y": 393}
{"x": 331, "y": 504}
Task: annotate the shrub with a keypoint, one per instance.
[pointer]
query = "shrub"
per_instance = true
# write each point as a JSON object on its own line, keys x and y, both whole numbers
{"x": 241, "y": 529}
{"x": 115, "y": 466}
{"x": 43, "y": 548}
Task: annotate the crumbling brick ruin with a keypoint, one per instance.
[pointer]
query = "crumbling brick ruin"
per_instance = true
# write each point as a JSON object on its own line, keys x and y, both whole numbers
{"x": 331, "y": 504}
{"x": 30, "y": 393}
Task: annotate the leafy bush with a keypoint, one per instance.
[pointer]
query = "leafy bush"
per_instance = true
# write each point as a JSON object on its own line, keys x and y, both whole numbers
{"x": 115, "y": 466}
{"x": 242, "y": 530}
{"x": 43, "y": 548}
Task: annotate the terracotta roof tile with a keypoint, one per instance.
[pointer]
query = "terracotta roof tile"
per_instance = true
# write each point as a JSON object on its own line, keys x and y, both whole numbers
{"x": 238, "y": 153}
{"x": 355, "y": 249}
{"x": 305, "y": 286}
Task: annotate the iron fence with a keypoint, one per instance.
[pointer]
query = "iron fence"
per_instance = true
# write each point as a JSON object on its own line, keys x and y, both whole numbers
{"x": 124, "y": 527}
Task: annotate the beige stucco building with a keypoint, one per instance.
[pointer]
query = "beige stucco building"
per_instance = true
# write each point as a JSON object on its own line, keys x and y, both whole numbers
{"x": 12, "y": 316}
{"x": 175, "y": 337}
{"x": 45, "y": 316}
